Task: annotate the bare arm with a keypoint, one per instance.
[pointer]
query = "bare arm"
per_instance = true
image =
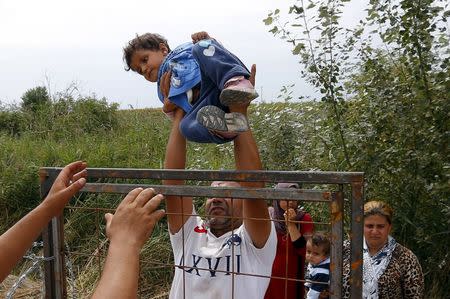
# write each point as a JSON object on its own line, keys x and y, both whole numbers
{"x": 128, "y": 230}
{"x": 247, "y": 158}
{"x": 289, "y": 217}
{"x": 15, "y": 241}
{"x": 175, "y": 158}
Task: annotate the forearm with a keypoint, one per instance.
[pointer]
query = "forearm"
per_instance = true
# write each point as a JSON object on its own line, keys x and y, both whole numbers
{"x": 247, "y": 155}
{"x": 176, "y": 159}
{"x": 120, "y": 274}
{"x": 256, "y": 215}
{"x": 293, "y": 231}
{"x": 18, "y": 239}
{"x": 176, "y": 148}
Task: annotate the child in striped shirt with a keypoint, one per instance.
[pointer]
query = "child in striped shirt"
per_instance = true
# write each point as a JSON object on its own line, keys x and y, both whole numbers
{"x": 318, "y": 258}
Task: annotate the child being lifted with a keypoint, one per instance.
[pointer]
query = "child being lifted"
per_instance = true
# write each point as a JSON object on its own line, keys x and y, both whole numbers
{"x": 205, "y": 79}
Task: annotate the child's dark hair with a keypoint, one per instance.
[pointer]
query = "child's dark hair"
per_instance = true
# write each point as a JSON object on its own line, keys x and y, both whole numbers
{"x": 147, "y": 41}
{"x": 321, "y": 240}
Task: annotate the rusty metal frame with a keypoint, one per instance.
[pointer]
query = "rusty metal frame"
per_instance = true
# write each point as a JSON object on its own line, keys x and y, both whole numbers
{"x": 53, "y": 236}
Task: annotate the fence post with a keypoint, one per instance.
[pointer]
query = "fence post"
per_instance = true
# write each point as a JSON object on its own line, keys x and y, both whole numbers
{"x": 356, "y": 240}
{"x": 337, "y": 229}
{"x": 53, "y": 238}
{"x": 59, "y": 261}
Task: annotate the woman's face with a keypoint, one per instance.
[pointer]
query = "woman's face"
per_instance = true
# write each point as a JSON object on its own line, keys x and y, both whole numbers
{"x": 376, "y": 231}
{"x": 285, "y": 203}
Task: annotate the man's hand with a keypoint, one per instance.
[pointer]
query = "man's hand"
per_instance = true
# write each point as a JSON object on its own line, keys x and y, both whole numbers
{"x": 198, "y": 36}
{"x": 242, "y": 108}
{"x": 69, "y": 181}
{"x": 128, "y": 230}
{"x": 168, "y": 108}
{"x": 252, "y": 75}
{"x": 135, "y": 218}
{"x": 164, "y": 85}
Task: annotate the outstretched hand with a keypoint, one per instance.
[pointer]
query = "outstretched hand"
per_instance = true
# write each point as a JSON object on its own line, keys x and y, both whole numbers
{"x": 69, "y": 181}
{"x": 128, "y": 230}
{"x": 16, "y": 240}
{"x": 135, "y": 218}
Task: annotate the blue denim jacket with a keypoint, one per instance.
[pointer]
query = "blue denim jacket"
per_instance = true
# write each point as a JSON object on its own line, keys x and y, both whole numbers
{"x": 185, "y": 75}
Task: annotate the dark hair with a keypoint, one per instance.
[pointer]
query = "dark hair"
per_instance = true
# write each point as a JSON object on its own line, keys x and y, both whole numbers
{"x": 147, "y": 41}
{"x": 277, "y": 213}
{"x": 321, "y": 240}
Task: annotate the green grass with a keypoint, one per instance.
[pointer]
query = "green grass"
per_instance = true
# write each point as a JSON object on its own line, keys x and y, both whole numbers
{"x": 294, "y": 136}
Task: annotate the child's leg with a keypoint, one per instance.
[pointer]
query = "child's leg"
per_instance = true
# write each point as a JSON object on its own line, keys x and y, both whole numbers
{"x": 225, "y": 70}
{"x": 194, "y": 130}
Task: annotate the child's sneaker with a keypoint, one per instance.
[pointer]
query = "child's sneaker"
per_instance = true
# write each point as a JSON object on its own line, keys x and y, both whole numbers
{"x": 215, "y": 119}
{"x": 237, "y": 90}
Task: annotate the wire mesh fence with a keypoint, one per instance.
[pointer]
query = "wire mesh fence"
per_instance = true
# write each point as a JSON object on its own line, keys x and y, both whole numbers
{"x": 75, "y": 244}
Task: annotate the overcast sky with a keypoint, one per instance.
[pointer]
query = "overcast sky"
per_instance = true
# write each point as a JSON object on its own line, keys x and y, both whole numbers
{"x": 57, "y": 42}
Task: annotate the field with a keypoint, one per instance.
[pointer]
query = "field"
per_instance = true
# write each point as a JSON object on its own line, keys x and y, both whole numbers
{"x": 291, "y": 136}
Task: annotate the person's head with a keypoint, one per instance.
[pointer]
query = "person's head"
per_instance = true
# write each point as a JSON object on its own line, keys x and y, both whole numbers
{"x": 145, "y": 53}
{"x": 219, "y": 211}
{"x": 285, "y": 204}
{"x": 317, "y": 248}
{"x": 280, "y": 206}
{"x": 377, "y": 223}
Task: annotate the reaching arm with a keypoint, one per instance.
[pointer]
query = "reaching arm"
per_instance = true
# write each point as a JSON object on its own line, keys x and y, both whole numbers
{"x": 247, "y": 158}
{"x": 15, "y": 241}
{"x": 128, "y": 230}
{"x": 289, "y": 217}
{"x": 175, "y": 159}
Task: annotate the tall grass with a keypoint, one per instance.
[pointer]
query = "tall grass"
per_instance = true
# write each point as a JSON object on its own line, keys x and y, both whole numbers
{"x": 290, "y": 136}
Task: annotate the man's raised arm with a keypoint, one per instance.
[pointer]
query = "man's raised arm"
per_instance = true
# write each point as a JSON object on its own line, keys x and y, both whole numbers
{"x": 176, "y": 159}
{"x": 247, "y": 158}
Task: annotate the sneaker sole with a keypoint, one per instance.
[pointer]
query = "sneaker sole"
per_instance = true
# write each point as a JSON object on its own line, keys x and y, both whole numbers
{"x": 215, "y": 119}
{"x": 235, "y": 96}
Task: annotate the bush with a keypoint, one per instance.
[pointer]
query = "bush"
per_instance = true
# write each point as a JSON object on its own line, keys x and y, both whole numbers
{"x": 35, "y": 98}
{"x": 12, "y": 122}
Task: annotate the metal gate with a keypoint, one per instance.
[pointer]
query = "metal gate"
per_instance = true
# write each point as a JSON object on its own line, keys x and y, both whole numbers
{"x": 337, "y": 182}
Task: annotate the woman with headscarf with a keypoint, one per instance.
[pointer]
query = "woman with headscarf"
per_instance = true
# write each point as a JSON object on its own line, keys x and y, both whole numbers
{"x": 291, "y": 246}
{"x": 390, "y": 270}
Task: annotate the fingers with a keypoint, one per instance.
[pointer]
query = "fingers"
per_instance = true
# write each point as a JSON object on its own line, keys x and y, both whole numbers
{"x": 81, "y": 174}
{"x": 131, "y": 196}
{"x": 74, "y": 187}
{"x": 159, "y": 214}
{"x": 153, "y": 203}
{"x": 73, "y": 168}
{"x": 252, "y": 74}
{"x": 165, "y": 83}
{"x": 144, "y": 197}
{"x": 108, "y": 219}
{"x": 198, "y": 36}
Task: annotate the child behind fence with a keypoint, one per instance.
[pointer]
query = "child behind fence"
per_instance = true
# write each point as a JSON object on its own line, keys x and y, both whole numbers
{"x": 318, "y": 272}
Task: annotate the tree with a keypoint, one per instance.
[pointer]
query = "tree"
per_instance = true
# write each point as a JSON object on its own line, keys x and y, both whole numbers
{"x": 35, "y": 98}
{"x": 393, "y": 71}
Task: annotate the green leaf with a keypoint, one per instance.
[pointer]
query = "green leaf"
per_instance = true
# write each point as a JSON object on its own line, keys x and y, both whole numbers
{"x": 274, "y": 30}
{"x": 268, "y": 21}
{"x": 298, "y": 48}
